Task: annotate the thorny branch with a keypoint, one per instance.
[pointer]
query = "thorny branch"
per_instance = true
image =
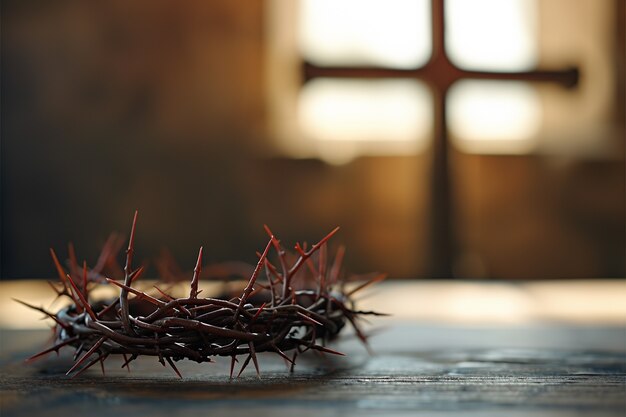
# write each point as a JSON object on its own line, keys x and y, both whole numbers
{"x": 290, "y": 308}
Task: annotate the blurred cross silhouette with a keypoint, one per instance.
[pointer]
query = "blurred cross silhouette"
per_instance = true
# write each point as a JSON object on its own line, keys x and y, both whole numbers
{"x": 440, "y": 73}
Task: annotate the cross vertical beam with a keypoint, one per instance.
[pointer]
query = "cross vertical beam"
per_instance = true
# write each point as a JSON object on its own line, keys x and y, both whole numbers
{"x": 440, "y": 74}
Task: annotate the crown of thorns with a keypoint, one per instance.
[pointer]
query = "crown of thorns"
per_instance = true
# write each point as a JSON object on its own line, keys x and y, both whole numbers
{"x": 296, "y": 306}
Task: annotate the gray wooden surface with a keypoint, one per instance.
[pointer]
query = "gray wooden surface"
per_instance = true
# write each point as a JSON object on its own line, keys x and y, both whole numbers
{"x": 418, "y": 369}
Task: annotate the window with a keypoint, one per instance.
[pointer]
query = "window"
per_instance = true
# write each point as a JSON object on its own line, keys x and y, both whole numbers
{"x": 493, "y": 76}
{"x": 338, "y": 118}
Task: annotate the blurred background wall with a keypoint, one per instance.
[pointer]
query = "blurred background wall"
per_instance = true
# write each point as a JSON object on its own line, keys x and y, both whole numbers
{"x": 195, "y": 113}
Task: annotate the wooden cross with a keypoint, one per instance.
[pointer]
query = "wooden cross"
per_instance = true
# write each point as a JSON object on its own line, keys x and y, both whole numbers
{"x": 440, "y": 73}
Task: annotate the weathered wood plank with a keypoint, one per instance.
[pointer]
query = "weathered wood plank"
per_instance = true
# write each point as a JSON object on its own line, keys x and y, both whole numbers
{"x": 418, "y": 369}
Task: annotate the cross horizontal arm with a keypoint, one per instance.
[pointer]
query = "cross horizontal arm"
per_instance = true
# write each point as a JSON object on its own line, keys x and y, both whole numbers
{"x": 430, "y": 73}
{"x": 566, "y": 77}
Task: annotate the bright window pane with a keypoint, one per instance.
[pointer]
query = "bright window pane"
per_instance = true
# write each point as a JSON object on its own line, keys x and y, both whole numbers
{"x": 500, "y": 117}
{"x": 385, "y": 110}
{"x": 388, "y": 33}
{"x": 498, "y": 35}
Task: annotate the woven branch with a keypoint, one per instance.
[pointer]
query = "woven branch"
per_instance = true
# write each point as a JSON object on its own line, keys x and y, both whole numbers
{"x": 298, "y": 306}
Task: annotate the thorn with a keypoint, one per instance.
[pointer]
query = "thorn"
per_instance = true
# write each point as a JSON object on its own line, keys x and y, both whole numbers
{"x": 82, "y": 298}
{"x": 139, "y": 294}
{"x": 193, "y": 293}
{"x": 41, "y": 309}
{"x": 377, "y": 278}
{"x": 326, "y": 350}
{"x": 90, "y": 364}
{"x": 245, "y": 363}
{"x": 163, "y": 293}
{"x": 233, "y": 359}
{"x": 309, "y": 319}
{"x": 128, "y": 279}
{"x": 322, "y": 270}
{"x": 108, "y": 308}
{"x": 131, "y": 240}
{"x": 86, "y": 355}
{"x": 126, "y": 362}
{"x": 54, "y": 348}
{"x": 85, "y": 279}
{"x": 293, "y": 361}
{"x": 58, "y": 266}
{"x": 136, "y": 274}
{"x": 80, "y": 350}
{"x": 169, "y": 360}
{"x": 256, "y": 315}
{"x": 254, "y": 359}
{"x": 54, "y": 288}
{"x": 282, "y": 354}
{"x": 253, "y": 278}
{"x": 102, "y": 364}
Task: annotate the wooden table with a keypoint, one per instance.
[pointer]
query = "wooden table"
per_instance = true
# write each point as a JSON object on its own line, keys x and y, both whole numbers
{"x": 423, "y": 365}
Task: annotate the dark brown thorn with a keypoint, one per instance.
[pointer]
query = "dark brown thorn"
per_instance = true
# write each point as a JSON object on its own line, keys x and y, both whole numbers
{"x": 245, "y": 363}
{"x": 308, "y": 262}
{"x": 254, "y": 359}
{"x": 253, "y": 278}
{"x": 304, "y": 257}
{"x": 90, "y": 364}
{"x": 79, "y": 350}
{"x": 55, "y": 289}
{"x": 108, "y": 308}
{"x": 256, "y": 315}
{"x": 282, "y": 354}
{"x": 60, "y": 271}
{"x": 258, "y": 290}
{"x": 83, "y": 300}
{"x": 325, "y": 349}
{"x": 293, "y": 361}
{"x": 281, "y": 258}
{"x": 136, "y": 274}
{"x": 163, "y": 293}
{"x": 233, "y": 359}
{"x": 44, "y": 311}
{"x": 102, "y": 364}
{"x": 139, "y": 294}
{"x": 309, "y": 319}
{"x": 169, "y": 360}
{"x": 377, "y": 278}
{"x": 127, "y": 278}
{"x": 126, "y": 362}
{"x": 85, "y": 279}
{"x": 322, "y": 270}
{"x": 299, "y": 249}
{"x": 362, "y": 337}
{"x": 54, "y": 348}
{"x": 193, "y": 293}
{"x": 273, "y": 271}
{"x": 170, "y": 298}
{"x": 94, "y": 348}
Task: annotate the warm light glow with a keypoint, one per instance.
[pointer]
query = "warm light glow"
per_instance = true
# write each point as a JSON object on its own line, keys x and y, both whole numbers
{"x": 383, "y": 111}
{"x": 390, "y": 33}
{"x": 494, "y": 116}
{"x": 497, "y": 35}
{"x": 465, "y": 302}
